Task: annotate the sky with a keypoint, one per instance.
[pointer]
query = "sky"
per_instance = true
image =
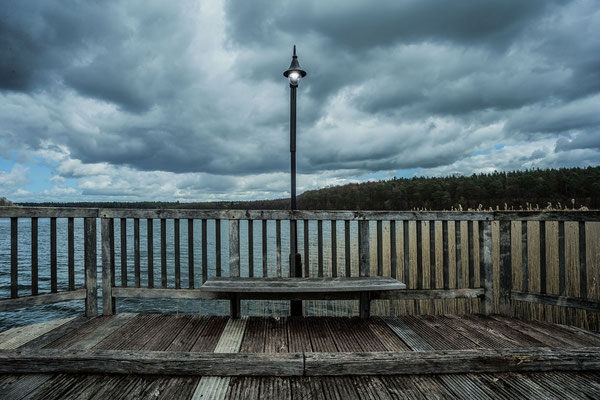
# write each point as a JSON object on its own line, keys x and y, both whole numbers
{"x": 186, "y": 101}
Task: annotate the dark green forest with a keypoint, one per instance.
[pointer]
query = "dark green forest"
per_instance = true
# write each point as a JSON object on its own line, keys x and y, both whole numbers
{"x": 529, "y": 189}
{"x": 519, "y": 189}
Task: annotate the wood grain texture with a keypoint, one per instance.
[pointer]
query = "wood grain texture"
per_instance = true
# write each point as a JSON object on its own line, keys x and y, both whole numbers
{"x": 150, "y": 247}
{"x": 14, "y": 257}
{"x": 124, "y": 252}
{"x": 136, "y": 252}
{"x": 364, "y": 256}
{"x": 91, "y": 268}
{"x": 163, "y": 253}
{"x": 300, "y": 285}
{"x": 70, "y": 251}
{"x": 150, "y": 362}
{"x": 191, "y": 271}
{"x": 53, "y": 257}
{"x": 34, "y": 256}
{"x": 557, "y": 300}
{"x": 41, "y": 299}
{"x": 452, "y": 361}
{"x": 177, "y": 248}
{"x": 505, "y": 268}
{"x": 107, "y": 281}
{"x": 234, "y": 247}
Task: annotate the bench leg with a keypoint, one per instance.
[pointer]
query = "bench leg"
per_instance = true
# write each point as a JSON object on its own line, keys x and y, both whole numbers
{"x": 234, "y": 306}
{"x": 364, "y": 307}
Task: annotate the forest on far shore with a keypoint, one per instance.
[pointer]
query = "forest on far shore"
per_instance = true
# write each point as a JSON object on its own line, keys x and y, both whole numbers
{"x": 572, "y": 188}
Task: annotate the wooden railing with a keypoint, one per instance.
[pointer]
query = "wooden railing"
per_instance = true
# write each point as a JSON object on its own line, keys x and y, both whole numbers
{"x": 90, "y": 290}
{"x": 439, "y": 255}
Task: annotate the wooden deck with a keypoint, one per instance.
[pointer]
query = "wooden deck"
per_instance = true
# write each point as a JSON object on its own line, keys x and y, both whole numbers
{"x": 439, "y": 339}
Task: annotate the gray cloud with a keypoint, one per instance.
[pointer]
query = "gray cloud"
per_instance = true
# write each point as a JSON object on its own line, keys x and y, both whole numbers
{"x": 189, "y": 88}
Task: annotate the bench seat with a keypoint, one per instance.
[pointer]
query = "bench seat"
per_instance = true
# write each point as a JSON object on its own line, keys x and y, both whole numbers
{"x": 339, "y": 288}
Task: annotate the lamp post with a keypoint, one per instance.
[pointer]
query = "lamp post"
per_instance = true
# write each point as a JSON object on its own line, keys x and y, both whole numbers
{"x": 294, "y": 73}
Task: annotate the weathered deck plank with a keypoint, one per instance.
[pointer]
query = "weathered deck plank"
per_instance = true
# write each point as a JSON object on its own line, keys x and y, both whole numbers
{"x": 208, "y": 339}
{"x": 17, "y": 337}
{"x": 299, "y": 338}
{"x": 471, "y": 336}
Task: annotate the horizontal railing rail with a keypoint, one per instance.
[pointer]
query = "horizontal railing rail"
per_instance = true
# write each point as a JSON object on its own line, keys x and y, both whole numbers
{"x": 496, "y": 257}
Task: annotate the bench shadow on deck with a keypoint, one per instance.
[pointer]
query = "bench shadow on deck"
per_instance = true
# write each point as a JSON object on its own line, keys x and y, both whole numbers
{"x": 172, "y": 356}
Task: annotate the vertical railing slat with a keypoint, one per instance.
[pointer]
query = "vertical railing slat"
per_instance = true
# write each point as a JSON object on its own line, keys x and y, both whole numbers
{"x": 53, "y": 256}
{"x": 190, "y": 233}
{"x": 205, "y": 251}
{"x": 306, "y": 249}
{"x": 112, "y": 252}
{"x": 14, "y": 257}
{"x": 278, "y": 245}
{"x": 150, "y": 245}
{"x": 176, "y": 229}
{"x": 234, "y": 247}
{"x": 347, "y": 251}
{"x": 34, "y": 256}
{"x": 379, "y": 248}
{"x": 250, "y": 248}
{"x": 107, "y": 283}
{"x": 264, "y": 248}
{"x": 471, "y": 245}
{"x": 458, "y": 246}
{"x": 419, "y": 255}
{"x": 524, "y": 258}
{"x": 124, "y": 252}
{"x": 334, "y": 268}
{"x": 432, "y": 255}
{"x": 543, "y": 266}
{"x": 163, "y": 252}
{"x": 486, "y": 267}
{"x": 320, "y": 248}
{"x": 393, "y": 255}
{"x": 445, "y": 256}
{"x": 293, "y": 250}
{"x": 91, "y": 269}
{"x": 582, "y": 261}
{"x": 71, "y": 252}
{"x": 406, "y": 253}
{"x": 505, "y": 268}
{"x": 561, "y": 259}
{"x": 363, "y": 248}
{"x": 136, "y": 252}
{"x": 218, "y": 269}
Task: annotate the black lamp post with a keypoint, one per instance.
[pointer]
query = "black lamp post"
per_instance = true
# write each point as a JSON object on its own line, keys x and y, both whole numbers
{"x": 294, "y": 73}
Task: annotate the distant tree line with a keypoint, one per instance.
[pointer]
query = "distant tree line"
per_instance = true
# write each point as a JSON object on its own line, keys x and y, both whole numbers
{"x": 571, "y": 187}
{"x": 529, "y": 189}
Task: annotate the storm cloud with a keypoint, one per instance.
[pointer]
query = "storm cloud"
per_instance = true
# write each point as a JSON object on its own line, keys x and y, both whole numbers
{"x": 186, "y": 100}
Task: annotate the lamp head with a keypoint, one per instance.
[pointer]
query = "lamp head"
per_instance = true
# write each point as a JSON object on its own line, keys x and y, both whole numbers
{"x": 294, "y": 73}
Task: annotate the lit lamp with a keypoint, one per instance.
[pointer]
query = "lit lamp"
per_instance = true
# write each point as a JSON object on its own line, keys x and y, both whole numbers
{"x": 294, "y": 73}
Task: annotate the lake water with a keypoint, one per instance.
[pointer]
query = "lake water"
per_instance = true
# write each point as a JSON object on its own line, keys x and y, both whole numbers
{"x": 212, "y": 307}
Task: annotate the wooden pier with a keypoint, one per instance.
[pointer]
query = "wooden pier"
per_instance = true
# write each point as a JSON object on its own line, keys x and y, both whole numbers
{"x": 183, "y": 356}
{"x": 478, "y": 318}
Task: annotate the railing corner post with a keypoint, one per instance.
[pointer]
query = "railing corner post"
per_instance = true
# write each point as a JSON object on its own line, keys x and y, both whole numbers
{"x": 91, "y": 269}
{"x": 505, "y": 269}
{"x": 107, "y": 283}
{"x": 486, "y": 267}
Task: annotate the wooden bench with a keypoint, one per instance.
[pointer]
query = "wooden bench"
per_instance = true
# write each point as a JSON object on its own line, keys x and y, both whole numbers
{"x": 341, "y": 288}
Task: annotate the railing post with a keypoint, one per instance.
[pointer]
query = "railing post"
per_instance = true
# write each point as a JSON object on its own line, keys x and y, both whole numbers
{"x": 505, "y": 269}
{"x": 486, "y": 268}
{"x": 364, "y": 256}
{"x": 91, "y": 269}
{"x": 107, "y": 283}
{"x": 234, "y": 247}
